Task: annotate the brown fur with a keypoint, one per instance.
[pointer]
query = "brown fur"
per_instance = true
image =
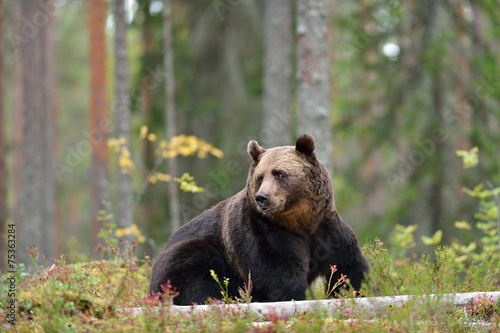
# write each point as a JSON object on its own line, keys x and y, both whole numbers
{"x": 282, "y": 229}
{"x": 299, "y": 205}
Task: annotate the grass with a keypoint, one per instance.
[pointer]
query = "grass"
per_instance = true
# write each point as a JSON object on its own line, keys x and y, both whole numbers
{"x": 97, "y": 296}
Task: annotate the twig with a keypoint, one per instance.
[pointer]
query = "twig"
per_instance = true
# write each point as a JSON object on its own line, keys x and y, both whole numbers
{"x": 145, "y": 184}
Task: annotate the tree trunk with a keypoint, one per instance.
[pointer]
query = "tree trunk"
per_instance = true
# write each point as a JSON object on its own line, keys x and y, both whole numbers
{"x": 313, "y": 66}
{"x": 168, "y": 58}
{"x": 99, "y": 121}
{"x": 122, "y": 111}
{"x": 37, "y": 182}
{"x": 277, "y": 73}
{"x": 436, "y": 201}
{"x": 18, "y": 121}
{"x": 3, "y": 170}
{"x": 48, "y": 236}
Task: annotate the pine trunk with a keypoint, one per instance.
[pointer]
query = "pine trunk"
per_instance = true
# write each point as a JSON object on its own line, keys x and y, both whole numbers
{"x": 99, "y": 121}
{"x": 313, "y": 67}
{"x": 122, "y": 111}
{"x": 277, "y": 73}
{"x": 168, "y": 58}
{"x": 37, "y": 182}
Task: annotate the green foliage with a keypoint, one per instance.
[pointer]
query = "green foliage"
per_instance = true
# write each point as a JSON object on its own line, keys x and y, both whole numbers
{"x": 224, "y": 290}
{"x": 402, "y": 239}
{"x": 488, "y": 217}
{"x": 447, "y": 274}
{"x": 98, "y": 296}
{"x": 470, "y": 158}
{"x": 187, "y": 183}
{"x": 434, "y": 239}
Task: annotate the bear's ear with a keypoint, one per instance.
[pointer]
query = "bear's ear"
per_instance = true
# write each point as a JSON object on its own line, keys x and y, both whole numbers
{"x": 254, "y": 150}
{"x": 305, "y": 144}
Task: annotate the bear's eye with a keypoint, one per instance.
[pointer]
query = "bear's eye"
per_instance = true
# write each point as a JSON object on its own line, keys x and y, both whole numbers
{"x": 259, "y": 179}
{"x": 279, "y": 175}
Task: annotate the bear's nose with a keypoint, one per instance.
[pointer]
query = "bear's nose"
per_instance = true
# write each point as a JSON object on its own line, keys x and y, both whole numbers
{"x": 261, "y": 199}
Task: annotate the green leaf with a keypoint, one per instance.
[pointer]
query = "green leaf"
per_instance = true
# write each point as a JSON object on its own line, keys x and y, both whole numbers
{"x": 434, "y": 240}
{"x": 462, "y": 225}
{"x": 187, "y": 183}
{"x": 493, "y": 212}
{"x": 469, "y": 157}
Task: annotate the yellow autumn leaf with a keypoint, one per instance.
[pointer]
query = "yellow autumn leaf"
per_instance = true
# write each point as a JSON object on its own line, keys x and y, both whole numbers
{"x": 152, "y": 137}
{"x": 216, "y": 152}
{"x": 144, "y": 132}
{"x": 112, "y": 143}
{"x": 462, "y": 225}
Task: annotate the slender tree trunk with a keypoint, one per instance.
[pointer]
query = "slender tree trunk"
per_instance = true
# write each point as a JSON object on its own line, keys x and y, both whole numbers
{"x": 461, "y": 106}
{"x": 462, "y": 141}
{"x": 122, "y": 111}
{"x": 18, "y": 121}
{"x": 436, "y": 202}
{"x": 3, "y": 169}
{"x": 277, "y": 73}
{"x": 313, "y": 95}
{"x": 168, "y": 58}
{"x": 146, "y": 93}
{"x": 99, "y": 121}
{"x": 37, "y": 183}
{"x": 48, "y": 236}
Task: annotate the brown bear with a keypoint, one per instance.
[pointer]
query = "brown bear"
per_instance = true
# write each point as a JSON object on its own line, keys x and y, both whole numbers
{"x": 282, "y": 230}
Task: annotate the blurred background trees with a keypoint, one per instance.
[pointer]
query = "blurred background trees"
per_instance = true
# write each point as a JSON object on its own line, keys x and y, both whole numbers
{"x": 409, "y": 83}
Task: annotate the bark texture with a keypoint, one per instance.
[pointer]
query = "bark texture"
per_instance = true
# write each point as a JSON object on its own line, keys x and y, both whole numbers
{"x": 100, "y": 124}
{"x": 276, "y": 126}
{"x": 36, "y": 224}
{"x": 125, "y": 202}
{"x": 168, "y": 58}
{"x": 313, "y": 66}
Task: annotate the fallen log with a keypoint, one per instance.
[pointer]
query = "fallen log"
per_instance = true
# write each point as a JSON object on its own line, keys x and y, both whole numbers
{"x": 369, "y": 304}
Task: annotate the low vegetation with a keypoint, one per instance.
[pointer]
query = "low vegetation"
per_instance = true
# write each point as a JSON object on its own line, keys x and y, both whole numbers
{"x": 100, "y": 295}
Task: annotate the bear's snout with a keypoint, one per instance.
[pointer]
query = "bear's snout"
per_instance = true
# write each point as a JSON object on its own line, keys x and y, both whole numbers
{"x": 262, "y": 199}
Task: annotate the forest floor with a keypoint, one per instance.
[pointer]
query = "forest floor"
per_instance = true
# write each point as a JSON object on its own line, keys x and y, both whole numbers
{"x": 105, "y": 295}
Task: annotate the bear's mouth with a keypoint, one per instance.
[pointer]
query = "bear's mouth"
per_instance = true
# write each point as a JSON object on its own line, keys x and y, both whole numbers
{"x": 269, "y": 210}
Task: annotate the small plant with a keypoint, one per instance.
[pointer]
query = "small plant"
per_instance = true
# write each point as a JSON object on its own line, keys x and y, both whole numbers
{"x": 402, "y": 239}
{"x": 488, "y": 217}
{"x": 224, "y": 290}
{"x": 329, "y": 287}
{"x": 246, "y": 292}
{"x": 483, "y": 307}
{"x": 33, "y": 255}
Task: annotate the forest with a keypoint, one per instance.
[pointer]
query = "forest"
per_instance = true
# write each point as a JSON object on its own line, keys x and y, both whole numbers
{"x": 121, "y": 120}
{"x": 133, "y": 116}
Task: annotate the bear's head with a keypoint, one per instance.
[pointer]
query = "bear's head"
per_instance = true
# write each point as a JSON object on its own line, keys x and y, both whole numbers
{"x": 289, "y": 185}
